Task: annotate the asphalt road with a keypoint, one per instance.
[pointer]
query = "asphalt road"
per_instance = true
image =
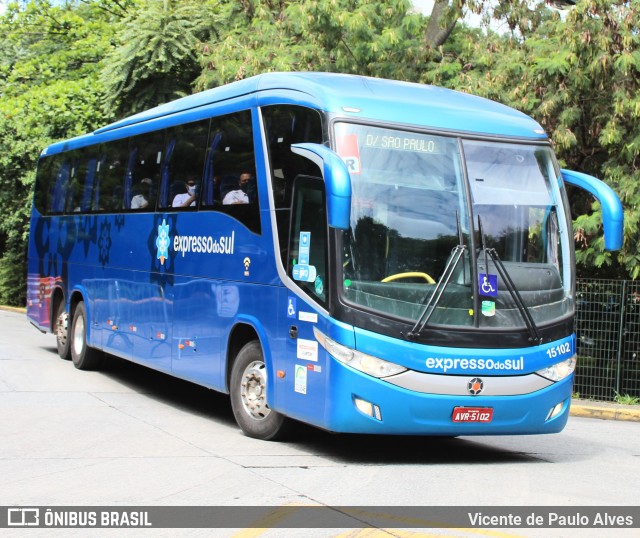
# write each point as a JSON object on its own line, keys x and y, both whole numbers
{"x": 131, "y": 436}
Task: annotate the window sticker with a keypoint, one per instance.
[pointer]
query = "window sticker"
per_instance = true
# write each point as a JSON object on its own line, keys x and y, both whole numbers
{"x": 305, "y": 247}
{"x": 488, "y": 309}
{"x": 305, "y": 273}
{"x": 347, "y": 147}
{"x": 302, "y": 270}
{"x": 319, "y": 285}
{"x": 488, "y": 285}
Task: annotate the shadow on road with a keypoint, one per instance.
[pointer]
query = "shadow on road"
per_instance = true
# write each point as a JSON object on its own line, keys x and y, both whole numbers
{"x": 344, "y": 448}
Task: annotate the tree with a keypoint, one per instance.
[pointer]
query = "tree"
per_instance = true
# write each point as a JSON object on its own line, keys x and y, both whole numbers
{"x": 49, "y": 65}
{"x": 523, "y": 16}
{"x": 155, "y": 60}
{"x": 370, "y": 37}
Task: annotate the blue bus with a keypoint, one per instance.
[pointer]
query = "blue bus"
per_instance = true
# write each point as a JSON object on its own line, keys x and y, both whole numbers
{"x": 362, "y": 255}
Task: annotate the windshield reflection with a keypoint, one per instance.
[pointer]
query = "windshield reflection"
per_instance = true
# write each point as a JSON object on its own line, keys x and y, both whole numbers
{"x": 411, "y": 208}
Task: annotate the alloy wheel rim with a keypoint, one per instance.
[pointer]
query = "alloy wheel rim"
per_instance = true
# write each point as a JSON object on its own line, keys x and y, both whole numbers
{"x": 253, "y": 391}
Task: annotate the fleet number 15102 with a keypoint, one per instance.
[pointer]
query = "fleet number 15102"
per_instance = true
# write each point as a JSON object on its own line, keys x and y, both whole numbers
{"x": 558, "y": 351}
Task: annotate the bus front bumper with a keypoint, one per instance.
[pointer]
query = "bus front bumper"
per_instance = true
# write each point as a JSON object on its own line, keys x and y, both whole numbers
{"x": 358, "y": 403}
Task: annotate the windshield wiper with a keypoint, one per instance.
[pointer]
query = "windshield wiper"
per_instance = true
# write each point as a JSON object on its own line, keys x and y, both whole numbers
{"x": 534, "y": 335}
{"x": 443, "y": 281}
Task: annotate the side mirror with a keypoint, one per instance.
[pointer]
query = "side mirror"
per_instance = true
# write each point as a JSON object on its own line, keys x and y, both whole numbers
{"x": 337, "y": 181}
{"x": 612, "y": 214}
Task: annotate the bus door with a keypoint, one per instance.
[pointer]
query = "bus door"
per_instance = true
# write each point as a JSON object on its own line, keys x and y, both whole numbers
{"x": 305, "y": 363}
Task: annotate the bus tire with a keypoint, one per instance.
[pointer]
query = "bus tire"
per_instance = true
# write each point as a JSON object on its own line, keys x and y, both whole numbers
{"x": 61, "y": 330}
{"x": 83, "y": 356}
{"x": 248, "y": 392}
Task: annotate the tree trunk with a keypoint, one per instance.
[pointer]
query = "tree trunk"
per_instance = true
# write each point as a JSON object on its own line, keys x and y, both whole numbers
{"x": 438, "y": 29}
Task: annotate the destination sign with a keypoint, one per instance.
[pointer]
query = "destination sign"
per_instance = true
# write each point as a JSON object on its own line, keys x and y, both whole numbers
{"x": 419, "y": 144}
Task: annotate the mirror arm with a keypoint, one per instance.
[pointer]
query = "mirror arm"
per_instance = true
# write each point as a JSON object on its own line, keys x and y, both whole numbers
{"x": 612, "y": 213}
{"x": 336, "y": 178}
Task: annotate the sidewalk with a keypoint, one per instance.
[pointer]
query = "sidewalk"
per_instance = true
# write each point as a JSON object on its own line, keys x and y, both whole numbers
{"x": 605, "y": 410}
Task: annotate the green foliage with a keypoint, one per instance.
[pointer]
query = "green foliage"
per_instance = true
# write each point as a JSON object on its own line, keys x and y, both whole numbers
{"x": 13, "y": 284}
{"x": 368, "y": 37}
{"x": 625, "y": 399}
{"x": 50, "y": 90}
{"x": 155, "y": 60}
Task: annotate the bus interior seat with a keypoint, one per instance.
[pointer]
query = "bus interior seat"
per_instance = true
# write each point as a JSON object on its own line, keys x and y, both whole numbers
{"x": 227, "y": 184}
{"x": 177, "y": 187}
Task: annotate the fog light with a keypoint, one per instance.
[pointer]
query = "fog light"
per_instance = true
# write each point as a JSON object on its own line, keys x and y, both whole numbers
{"x": 367, "y": 408}
{"x": 555, "y": 411}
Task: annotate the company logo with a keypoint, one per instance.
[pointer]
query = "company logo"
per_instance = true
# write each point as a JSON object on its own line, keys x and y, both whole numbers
{"x": 475, "y": 386}
{"x": 204, "y": 244}
{"x": 445, "y": 364}
{"x": 23, "y": 517}
{"x": 163, "y": 241}
{"x": 197, "y": 244}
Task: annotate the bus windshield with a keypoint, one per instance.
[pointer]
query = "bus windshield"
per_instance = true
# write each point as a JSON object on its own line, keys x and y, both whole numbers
{"x": 418, "y": 198}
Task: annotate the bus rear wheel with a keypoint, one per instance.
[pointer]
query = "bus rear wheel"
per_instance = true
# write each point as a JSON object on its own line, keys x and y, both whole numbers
{"x": 83, "y": 356}
{"x": 249, "y": 396}
{"x": 61, "y": 330}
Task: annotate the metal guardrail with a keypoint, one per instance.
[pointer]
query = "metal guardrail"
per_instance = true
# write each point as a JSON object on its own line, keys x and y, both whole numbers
{"x": 608, "y": 339}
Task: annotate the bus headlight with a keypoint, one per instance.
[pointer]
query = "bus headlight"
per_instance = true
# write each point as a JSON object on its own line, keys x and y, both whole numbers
{"x": 560, "y": 370}
{"x": 367, "y": 364}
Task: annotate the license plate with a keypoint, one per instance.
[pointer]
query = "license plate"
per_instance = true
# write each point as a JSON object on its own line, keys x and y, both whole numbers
{"x": 472, "y": 414}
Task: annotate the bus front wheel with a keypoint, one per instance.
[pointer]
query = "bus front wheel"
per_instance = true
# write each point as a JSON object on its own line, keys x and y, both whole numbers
{"x": 83, "y": 356}
{"x": 248, "y": 391}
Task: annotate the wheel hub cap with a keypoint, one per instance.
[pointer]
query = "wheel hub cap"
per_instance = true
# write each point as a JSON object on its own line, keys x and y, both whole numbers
{"x": 253, "y": 392}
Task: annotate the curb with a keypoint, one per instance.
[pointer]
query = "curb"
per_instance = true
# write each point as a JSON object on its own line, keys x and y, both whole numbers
{"x": 19, "y": 310}
{"x": 605, "y": 410}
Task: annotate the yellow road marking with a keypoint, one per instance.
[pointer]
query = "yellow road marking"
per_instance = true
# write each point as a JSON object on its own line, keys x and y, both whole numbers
{"x": 276, "y": 515}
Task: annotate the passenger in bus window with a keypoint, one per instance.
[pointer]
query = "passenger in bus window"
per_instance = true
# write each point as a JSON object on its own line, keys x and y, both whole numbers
{"x": 242, "y": 192}
{"x": 141, "y": 200}
{"x": 188, "y": 197}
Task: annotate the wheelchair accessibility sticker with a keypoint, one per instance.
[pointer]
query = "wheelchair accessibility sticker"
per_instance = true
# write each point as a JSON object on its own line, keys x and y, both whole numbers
{"x": 291, "y": 307}
{"x": 488, "y": 285}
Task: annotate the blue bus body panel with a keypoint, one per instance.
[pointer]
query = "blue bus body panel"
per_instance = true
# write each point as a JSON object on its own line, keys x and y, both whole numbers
{"x": 166, "y": 313}
{"x": 464, "y": 361}
{"x": 321, "y": 390}
{"x": 409, "y": 413}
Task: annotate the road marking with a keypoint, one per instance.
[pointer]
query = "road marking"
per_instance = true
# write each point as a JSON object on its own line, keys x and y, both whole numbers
{"x": 267, "y": 522}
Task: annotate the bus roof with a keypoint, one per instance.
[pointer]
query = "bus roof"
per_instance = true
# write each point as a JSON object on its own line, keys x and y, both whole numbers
{"x": 355, "y": 96}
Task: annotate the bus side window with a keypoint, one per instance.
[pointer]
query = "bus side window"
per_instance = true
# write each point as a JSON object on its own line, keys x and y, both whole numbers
{"x": 308, "y": 244}
{"x": 59, "y": 185}
{"x": 183, "y": 163}
{"x": 88, "y": 192}
{"x": 77, "y": 181}
{"x": 44, "y": 176}
{"x": 112, "y": 175}
{"x": 230, "y": 171}
{"x": 143, "y": 172}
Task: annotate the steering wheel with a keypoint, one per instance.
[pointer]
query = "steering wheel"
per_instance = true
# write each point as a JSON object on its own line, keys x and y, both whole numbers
{"x": 398, "y": 276}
